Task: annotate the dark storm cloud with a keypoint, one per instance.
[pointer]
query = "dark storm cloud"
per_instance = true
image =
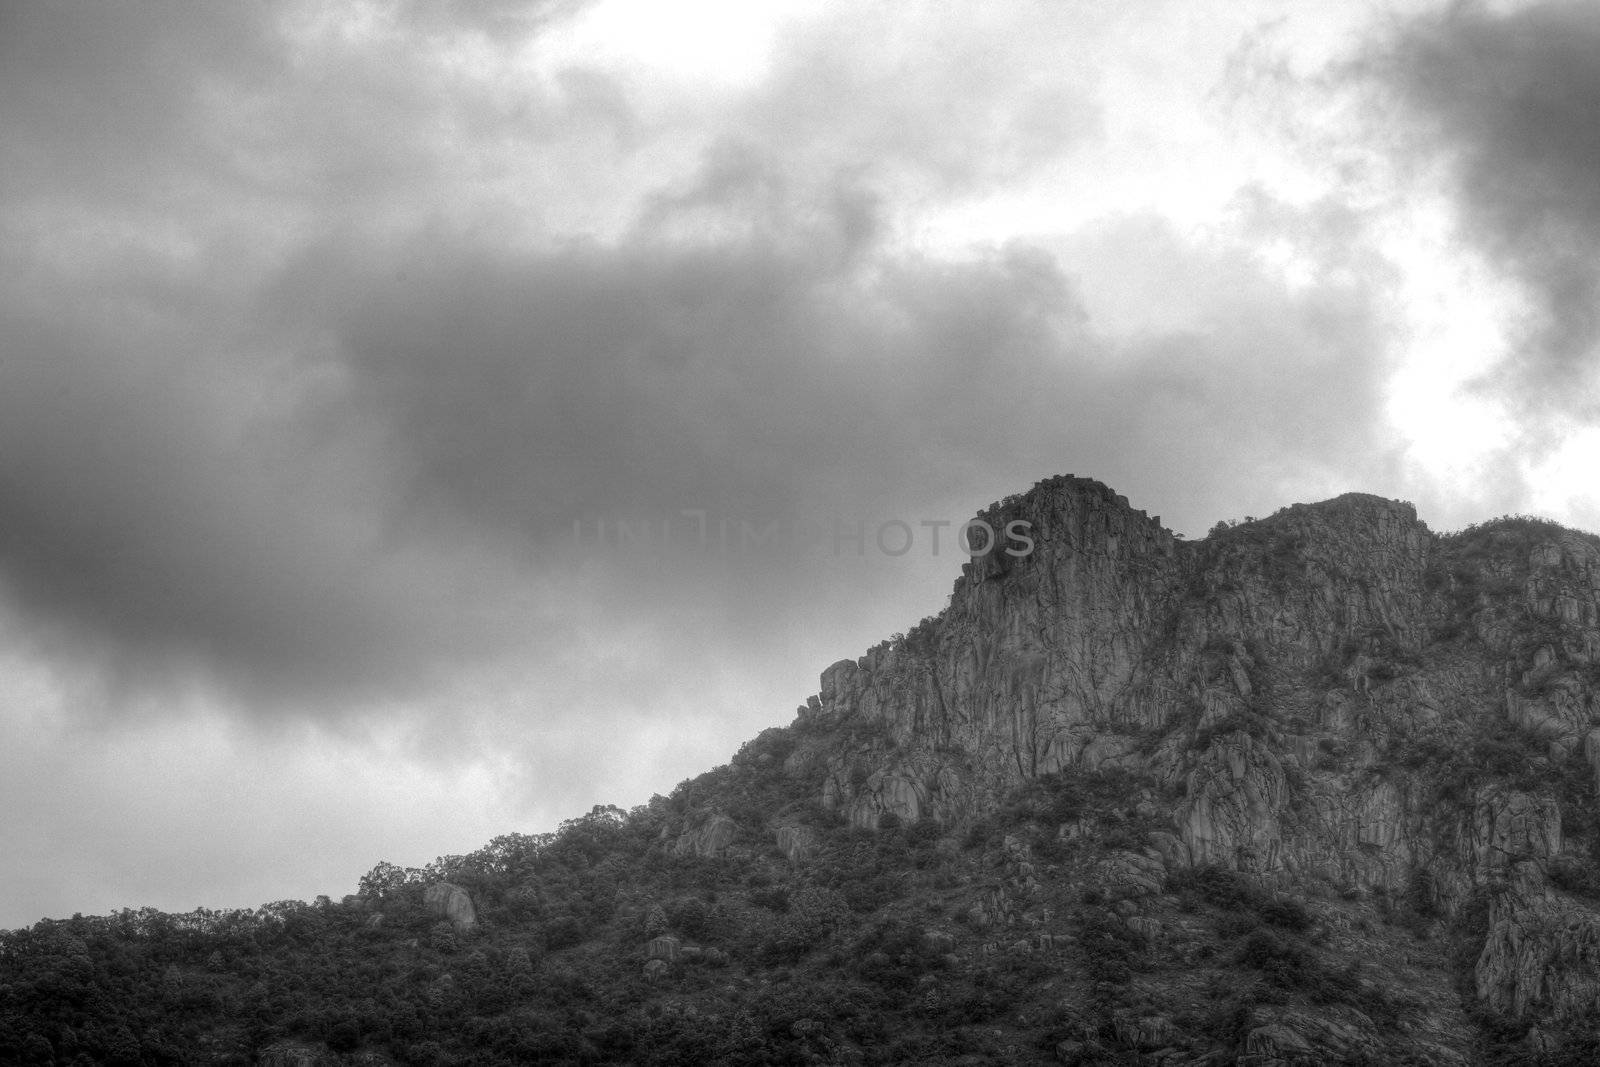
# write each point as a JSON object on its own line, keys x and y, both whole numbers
{"x": 784, "y": 367}
{"x": 178, "y": 501}
{"x": 139, "y": 528}
{"x": 506, "y": 394}
{"x": 1510, "y": 99}
{"x": 332, "y": 455}
{"x": 532, "y": 389}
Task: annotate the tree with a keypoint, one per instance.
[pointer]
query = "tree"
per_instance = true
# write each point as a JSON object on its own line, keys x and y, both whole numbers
{"x": 382, "y": 880}
{"x": 514, "y": 854}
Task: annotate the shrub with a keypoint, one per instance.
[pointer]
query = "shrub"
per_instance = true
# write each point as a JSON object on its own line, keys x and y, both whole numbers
{"x": 815, "y": 912}
{"x": 1235, "y": 924}
{"x": 563, "y": 931}
{"x": 1422, "y": 894}
{"x": 774, "y": 898}
{"x": 344, "y": 1036}
{"x": 1216, "y": 886}
{"x": 443, "y": 937}
{"x": 1286, "y": 913}
{"x": 690, "y": 917}
{"x": 1108, "y": 946}
{"x": 1245, "y": 906}
{"x": 1572, "y": 875}
{"x": 1268, "y": 950}
{"x": 871, "y": 888}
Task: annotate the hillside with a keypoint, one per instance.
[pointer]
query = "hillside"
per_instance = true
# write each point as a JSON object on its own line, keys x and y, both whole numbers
{"x": 1319, "y": 788}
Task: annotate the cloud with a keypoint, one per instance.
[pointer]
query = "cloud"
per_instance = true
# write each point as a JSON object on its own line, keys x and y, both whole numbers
{"x": 343, "y": 473}
{"x": 503, "y": 21}
{"x": 315, "y": 353}
{"x": 1506, "y": 99}
{"x": 948, "y": 102}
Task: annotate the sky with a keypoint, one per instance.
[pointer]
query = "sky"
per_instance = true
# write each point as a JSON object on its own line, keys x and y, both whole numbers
{"x": 422, "y": 421}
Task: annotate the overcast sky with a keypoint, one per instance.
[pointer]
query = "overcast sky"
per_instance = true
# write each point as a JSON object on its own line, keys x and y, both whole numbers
{"x": 337, "y": 340}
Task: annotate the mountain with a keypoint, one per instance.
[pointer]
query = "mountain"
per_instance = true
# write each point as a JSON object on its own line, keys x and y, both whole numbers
{"x": 1319, "y": 788}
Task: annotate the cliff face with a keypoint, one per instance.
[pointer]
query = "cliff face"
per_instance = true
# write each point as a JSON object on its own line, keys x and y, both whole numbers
{"x": 1332, "y": 699}
{"x": 1041, "y": 662}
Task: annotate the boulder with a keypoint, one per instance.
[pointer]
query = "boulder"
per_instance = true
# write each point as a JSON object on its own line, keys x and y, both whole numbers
{"x": 706, "y": 836}
{"x": 1541, "y": 955}
{"x": 1511, "y": 826}
{"x": 453, "y": 903}
{"x": 663, "y": 948}
{"x": 797, "y": 843}
{"x": 1151, "y": 1031}
{"x": 1128, "y": 874}
{"x": 1282, "y": 1036}
{"x": 1144, "y": 926}
{"x": 1072, "y": 1052}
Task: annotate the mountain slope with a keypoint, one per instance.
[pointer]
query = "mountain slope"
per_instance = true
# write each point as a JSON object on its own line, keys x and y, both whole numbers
{"x": 1319, "y": 788}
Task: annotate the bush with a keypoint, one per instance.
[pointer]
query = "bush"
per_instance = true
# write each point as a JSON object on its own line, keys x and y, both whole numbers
{"x": 1422, "y": 894}
{"x": 1235, "y": 924}
{"x": 1230, "y": 892}
{"x": 564, "y": 931}
{"x": 774, "y": 898}
{"x": 1286, "y": 913}
{"x": 443, "y": 937}
{"x": 1268, "y": 950}
{"x": 1111, "y": 949}
{"x": 690, "y": 917}
{"x": 1572, "y": 875}
{"x": 344, "y": 1036}
{"x": 815, "y": 912}
{"x": 893, "y": 955}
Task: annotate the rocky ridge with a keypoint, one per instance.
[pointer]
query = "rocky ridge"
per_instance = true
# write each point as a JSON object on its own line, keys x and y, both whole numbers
{"x": 1320, "y": 788}
{"x": 1333, "y": 700}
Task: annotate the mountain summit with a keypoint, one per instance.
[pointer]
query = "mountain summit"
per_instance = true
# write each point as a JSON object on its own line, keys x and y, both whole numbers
{"x": 1318, "y": 788}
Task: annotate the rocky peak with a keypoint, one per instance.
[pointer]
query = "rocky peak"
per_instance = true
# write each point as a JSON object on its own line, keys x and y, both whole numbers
{"x": 1062, "y": 518}
{"x": 1359, "y": 532}
{"x": 1332, "y": 698}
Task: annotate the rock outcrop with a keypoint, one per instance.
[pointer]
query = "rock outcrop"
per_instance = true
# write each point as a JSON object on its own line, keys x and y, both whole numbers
{"x": 1542, "y": 953}
{"x": 1333, "y": 698}
{"x": 453, "y": 903}
{"x": 663, "y": 948}
{"x": 707, "y": 836}
{"x": 797, "y": 843}
{"x": 1281, "y": 1038}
